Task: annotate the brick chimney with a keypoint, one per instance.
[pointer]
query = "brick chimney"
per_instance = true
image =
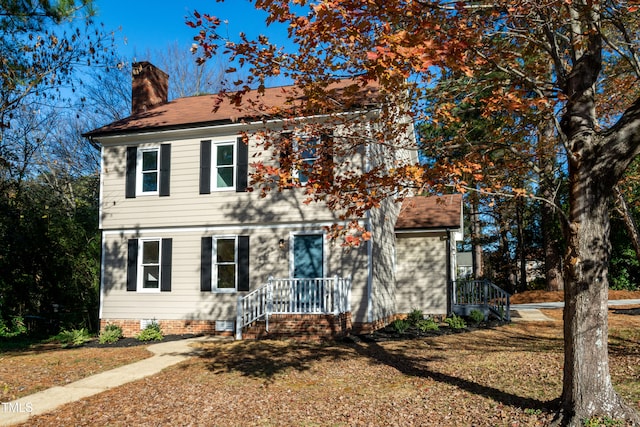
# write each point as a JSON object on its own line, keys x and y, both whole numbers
{"x": 149, "y": 87}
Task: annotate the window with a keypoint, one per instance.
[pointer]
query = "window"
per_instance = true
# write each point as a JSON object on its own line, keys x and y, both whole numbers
{"x": 148, "y": 171}
{"x": 223, "y": 165}
{"x": 149, "y": 265}
{"x": 307, "y": 158}
{"x": 225, "y": 263}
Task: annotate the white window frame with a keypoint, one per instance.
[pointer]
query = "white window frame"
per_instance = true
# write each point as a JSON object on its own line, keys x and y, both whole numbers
{"x": 140, "y": 285}
{"x": 140, "y": 173}
{"x": 215, "y": 166}
{"x": 215, "y": 264}
{"x": 295, "y": 173}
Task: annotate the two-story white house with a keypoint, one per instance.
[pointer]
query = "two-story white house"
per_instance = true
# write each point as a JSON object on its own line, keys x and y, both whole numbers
{"x": 184, "y": 243}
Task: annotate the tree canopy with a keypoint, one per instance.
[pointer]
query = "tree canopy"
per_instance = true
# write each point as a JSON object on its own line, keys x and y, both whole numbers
{"x": 571, "y": 66}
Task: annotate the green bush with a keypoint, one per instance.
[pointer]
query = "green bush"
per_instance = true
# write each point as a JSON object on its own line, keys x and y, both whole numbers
{"x": 151, "y": 332}
{"x": 15, "y": 328}
{"x": 425, "y": 325}
{"x": 400, "y": 325}
{"x": 110, "y": 334}
{"x": 414, "y": 317}
{"x": 455, "y": 322}
{"x": 476, "y": 316}
{"x": 72, "y": 338}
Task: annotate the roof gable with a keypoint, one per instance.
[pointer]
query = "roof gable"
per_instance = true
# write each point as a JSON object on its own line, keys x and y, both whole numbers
{"x": 434, "y": 212}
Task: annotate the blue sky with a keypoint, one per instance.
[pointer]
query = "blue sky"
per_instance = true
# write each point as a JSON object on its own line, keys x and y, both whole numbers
{"x": 148, "y": 25}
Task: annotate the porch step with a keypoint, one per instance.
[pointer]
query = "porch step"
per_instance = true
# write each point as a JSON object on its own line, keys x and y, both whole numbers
{"x": 315, "y": 327}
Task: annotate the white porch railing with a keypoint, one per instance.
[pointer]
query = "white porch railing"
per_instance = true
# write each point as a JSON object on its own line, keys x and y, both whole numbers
{"x": 481, "y": 294}
{"x": 293, "y": 296}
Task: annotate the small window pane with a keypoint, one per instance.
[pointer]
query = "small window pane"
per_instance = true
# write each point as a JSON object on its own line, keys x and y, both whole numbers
{"x": 224, "y": 155}
{"x": 225, "y": 251}
{"x": 226, "y": 276}
{"x": 225, "y": 177}
{"x": 151, "y": 275}
{"x": 150, "y": 181}
{"x": 149, "y": 160}
{"x": 151, "y": 252}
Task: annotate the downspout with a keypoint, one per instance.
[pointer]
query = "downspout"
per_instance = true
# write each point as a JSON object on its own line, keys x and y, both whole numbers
{"x": 369, "y": 272}
{"x": 101, "y": 293}
{"x": 367, "y": 167}
{"x": 449, "y": 275}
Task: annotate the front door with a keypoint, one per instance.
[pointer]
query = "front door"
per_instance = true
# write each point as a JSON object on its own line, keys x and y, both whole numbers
{"x": 308, "y": 255}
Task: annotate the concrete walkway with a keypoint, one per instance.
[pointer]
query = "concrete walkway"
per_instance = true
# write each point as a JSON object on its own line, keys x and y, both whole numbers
{"x": 531, "y": 312}
{"x": 165, "y": 354}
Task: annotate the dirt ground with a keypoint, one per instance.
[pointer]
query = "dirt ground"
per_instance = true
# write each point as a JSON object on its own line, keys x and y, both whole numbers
{"x": 508, "y": 375}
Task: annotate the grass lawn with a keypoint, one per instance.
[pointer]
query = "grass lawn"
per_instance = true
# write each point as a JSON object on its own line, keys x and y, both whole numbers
{"x": 505, "y": 376}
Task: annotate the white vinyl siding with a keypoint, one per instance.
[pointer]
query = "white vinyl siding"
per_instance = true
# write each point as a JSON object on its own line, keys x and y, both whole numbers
{"x": 186, "y": 300}
{"x": 421, "y": 274}
{"x": 186, "y": 202}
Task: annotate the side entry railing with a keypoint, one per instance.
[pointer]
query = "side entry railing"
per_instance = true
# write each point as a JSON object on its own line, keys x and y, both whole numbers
{"x": 482, "y": 294}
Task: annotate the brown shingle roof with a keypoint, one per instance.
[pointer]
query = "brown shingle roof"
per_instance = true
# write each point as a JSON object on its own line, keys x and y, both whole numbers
{"x": 199, "y": 110}
{"x": 435, "y": 212}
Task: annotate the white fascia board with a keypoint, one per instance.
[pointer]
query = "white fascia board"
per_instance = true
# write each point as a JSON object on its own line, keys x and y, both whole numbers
{"x": 220, "y": 228}
{"x": 199, "y": 131}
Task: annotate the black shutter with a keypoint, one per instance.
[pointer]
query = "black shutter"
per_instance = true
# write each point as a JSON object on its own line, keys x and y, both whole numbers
{"x": 243, "y": 263}
{"x": 165, "y": 169}
{"x": 130, "y": 176}
{"x": 205, "y": 264}
{"x": 285, "y": 156}
{"x": 205, "y": 167}
{"x": 165, "y": 267}
{"x": 132, "y": 265}
{"x": 242, "y": 169}
{"x": 326, "y": 156}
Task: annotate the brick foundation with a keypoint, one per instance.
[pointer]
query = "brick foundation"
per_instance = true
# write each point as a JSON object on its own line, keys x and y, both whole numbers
{"x": 315, "y": 327}
{"x": 131, "y": 327}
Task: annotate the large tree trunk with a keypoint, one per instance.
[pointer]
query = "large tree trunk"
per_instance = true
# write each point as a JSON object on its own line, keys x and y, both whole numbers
{"x": 587, "y": 387}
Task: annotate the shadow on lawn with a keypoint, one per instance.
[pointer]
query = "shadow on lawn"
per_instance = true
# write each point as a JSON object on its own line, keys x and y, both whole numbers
{"x": 271, "y": 360}
{"x": 627, "y": 311}
{"x": 413, "y": 366}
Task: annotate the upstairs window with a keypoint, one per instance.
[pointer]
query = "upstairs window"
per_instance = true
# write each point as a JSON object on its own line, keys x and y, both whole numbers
{"x": 306, "y": 157}
{"x": 148, "y": 171}
{"x": 223, "y": 165}
{"x": 224, "y": 161}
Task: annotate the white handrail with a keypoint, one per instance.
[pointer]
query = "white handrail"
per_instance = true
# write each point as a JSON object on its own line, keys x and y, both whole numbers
{"x": 293, "y": 296}
{"x": 483, "y": 293}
